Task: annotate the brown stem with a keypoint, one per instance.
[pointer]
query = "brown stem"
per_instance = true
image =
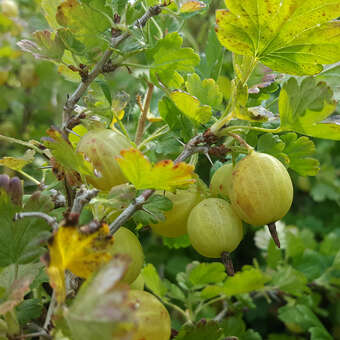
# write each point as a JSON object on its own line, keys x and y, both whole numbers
{"x": 228, "y": 263}
{"x": 240, "y": 140}
{"x": 98, "y": 68}
{"x": 273, "y": 233}
{"x": 144, "y": 113}
{"x": 83, "y": 196}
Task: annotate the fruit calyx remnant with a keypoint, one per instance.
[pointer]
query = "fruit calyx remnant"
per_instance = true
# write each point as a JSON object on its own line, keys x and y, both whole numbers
{"x": 273, "y": 233}
{"x": 228, "y": 263}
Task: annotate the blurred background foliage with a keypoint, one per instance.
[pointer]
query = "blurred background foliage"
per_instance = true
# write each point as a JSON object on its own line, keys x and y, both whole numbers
{"x": 32, "y": 96}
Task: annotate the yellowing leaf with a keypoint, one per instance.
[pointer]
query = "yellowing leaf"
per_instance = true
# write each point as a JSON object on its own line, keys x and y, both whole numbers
{"x": 16, "y": 294}
{"x": 80, "y": 253}
{"x": 289, "y": 36}
{"x": 191, "y": 107}
{"x": 192, "y": 6}
{"x": 17, "y": 163}
{"x": 164, "y": 175}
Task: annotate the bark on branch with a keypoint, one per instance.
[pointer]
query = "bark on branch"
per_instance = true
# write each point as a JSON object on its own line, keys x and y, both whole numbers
{"x": 98, "y": 68}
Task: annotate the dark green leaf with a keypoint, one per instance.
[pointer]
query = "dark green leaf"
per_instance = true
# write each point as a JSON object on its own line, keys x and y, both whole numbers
{"x": 203, "y": 330}
{"x": 274, "y": 255}
{"x": 175, "y": 119}
{"x": 153, "y": 210}
{"x": 29, "y": 310}
{"x": 20, "y": 241}
{"x": 312, "y": 264}
{"x": 211, "y": 62}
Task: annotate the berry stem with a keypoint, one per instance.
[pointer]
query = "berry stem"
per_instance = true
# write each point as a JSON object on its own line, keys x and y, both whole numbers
{"x": 273, "y": 233}
{"x": 228, "y": 263}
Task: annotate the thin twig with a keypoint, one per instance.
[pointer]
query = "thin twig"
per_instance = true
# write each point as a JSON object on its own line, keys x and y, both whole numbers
{"x": 98, "y": 68}
{"x": 50, "y": 311}
{"x": 240, "y": 140}
{"x": 83, "y": 196}
{"x": 43, "y": 335}
{"x": 144, "y": 113}
{"x": 52, "y": 221}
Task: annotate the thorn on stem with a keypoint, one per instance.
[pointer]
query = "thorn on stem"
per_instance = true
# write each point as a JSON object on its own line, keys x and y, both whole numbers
{"x": 228, "y": 263}
{"x": 273, "y": 233}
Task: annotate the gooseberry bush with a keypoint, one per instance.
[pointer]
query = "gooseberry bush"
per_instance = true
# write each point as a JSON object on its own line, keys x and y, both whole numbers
{"x": 152, "y": 152}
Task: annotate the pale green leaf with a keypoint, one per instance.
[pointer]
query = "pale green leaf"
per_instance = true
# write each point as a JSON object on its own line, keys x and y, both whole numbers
{"x": 153, "y": 281}
{"x": 245, "y": 281}
{"x": 331, "y": 75}
{"x": 299, "y": 151}
{"x": 200, "y": 331}
{"x": 295, "y": 153}
{"x": 289, "y": 36}
{"x": 290, "y": 281}
{"x": 191, "y": 107}
{"x": 205, "y": 273}
{"x": 305, "y": 107}
{"x": 169, "y": 59}
{"x": 206, "y": 91}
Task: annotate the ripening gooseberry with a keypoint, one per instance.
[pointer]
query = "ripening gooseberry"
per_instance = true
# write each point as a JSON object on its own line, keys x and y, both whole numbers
{"x": 153, "y": 320}
{"x": 127, "y": 243}
{"x": 261, "y": 189}
{"x": 100, "y": 147}
{"x": 221, "y": 180}
{"x": 214, "y": 228}
{"x": 176, "y": 219}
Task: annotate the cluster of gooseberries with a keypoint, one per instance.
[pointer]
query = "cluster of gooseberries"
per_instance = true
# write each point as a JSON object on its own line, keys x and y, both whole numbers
{"x": 257, "y": 190}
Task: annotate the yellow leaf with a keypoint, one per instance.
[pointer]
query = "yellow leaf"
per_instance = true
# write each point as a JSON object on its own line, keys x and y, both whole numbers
{"x": 17, "y": 163}
{"x": 192, "y": 6}
{"x": 80, "y": 253}
{"x": 164, "y": 175}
